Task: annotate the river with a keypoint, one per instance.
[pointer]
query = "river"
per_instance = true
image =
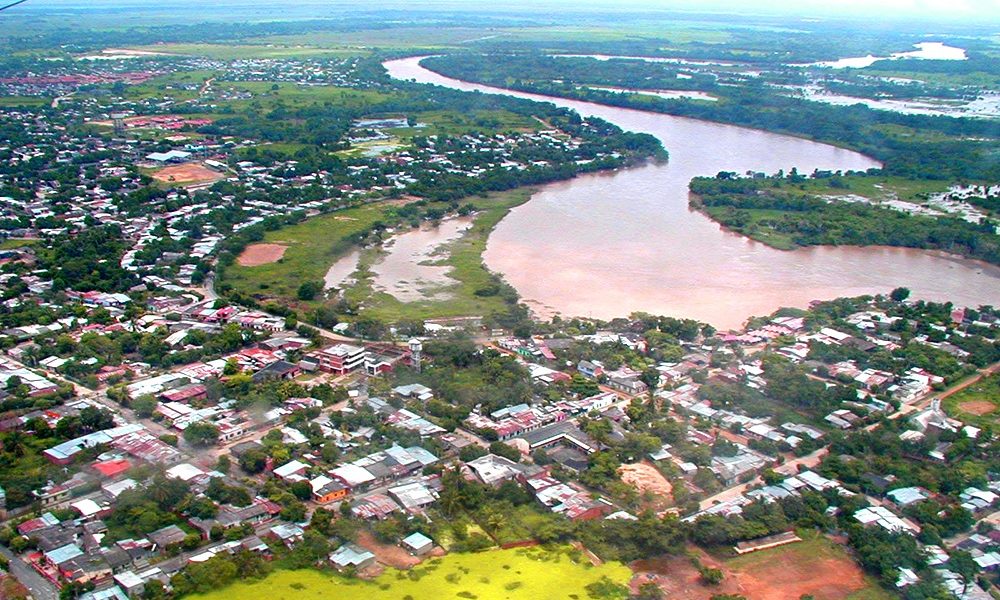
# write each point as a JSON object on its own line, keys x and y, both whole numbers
{"x": 608, "y": 244}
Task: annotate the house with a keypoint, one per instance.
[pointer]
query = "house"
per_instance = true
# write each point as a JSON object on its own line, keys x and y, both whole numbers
{"x": 417, "y": 544}
{"x": 187, "y": 393}
{"x": 413, "y": 496}
{"x": 494, "y": 470}
{"x": 353, "y": 476}
{"x": 351, "y": 555}
{"x": 326, "y": 490}
{"x": 590, "y": 369}
{"x": 278, "y": 370}
{"x": 732, "y": 468}
{"x": 630, "y": 385}
{"x": 906, "y": 496}
{"x": 288, "y": 533}
{"x": 167, "y": 536}
{"x": 374, "y": 506}
{"x": 291, "y": 471}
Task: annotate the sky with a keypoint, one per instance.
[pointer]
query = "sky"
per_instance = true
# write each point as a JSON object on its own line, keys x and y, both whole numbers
{"x": 979, "y": 11}
{"x": 946, "y": 9}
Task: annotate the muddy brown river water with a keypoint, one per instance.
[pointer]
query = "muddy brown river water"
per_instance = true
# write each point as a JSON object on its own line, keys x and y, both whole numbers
{"x": 605, "y": 245}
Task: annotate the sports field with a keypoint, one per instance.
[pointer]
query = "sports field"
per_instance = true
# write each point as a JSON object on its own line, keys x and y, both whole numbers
{"x": 978, "y": 404}
{"x": 816, "y": 567}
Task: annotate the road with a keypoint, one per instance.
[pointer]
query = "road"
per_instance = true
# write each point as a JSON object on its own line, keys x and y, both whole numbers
{"x": 40, "y": 588}
{"x": 928, "y": 399}
{"x": 788, "y": 468}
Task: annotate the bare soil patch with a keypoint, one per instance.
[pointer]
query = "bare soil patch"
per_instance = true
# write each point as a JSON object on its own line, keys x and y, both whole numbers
{"x": 393, "y": 556}
{"x": 824, "y": 579}
{"x": 977, "y": 407}
{"x": 785, "y": 573}
{"x": 261, "y": 254}
{"x": 187, "y": 173}
{"x": 678, "y": 578}
{"x": 645, "y": 477}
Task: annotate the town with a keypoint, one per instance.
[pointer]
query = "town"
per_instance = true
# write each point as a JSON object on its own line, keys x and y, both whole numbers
{"x": 190, "y": 399}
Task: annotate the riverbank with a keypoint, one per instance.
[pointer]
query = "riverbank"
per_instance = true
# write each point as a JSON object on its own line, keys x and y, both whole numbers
{"x": 476, "y": 291}
{"x": 603, "y": 245}
{"x": 311, "y": 247}
{"x": 789, "y": 212}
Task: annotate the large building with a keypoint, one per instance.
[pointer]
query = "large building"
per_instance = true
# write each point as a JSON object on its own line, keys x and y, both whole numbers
{"x": 340, "y": 359}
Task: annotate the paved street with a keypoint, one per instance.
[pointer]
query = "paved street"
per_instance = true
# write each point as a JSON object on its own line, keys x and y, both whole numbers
{"x": 40, "y": 588}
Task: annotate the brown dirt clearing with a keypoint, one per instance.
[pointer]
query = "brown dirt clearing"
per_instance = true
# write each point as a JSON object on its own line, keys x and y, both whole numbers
{"x": 977, "y": 407}
{"x": 778, "y": 574}
{"x": 261, "y": 254}
{"x": 186, "y": 173}
{"x": 644, "y": 477}
{"x": 390, "y": 555}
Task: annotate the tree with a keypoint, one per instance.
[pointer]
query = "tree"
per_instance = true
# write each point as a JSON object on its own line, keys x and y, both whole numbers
{"x": 710, "y": 575}
{"x": 899, "y": 294}
{"x": 471, "y": 452}
{"x": 253, "y": 460}
{"x": 505, "y": 450}
{"x": 309, "y": 290}
{"x": 649, "y": 591}
{"x": 144, "y": 406}
{"x": 201, "y": 433}
{"x": 232, "y": 367}
{"x": 301, "y": 490}
{"x": 650, "y": 377}
{"x": 962, "y": 563}
{"x": 96, "y": 419}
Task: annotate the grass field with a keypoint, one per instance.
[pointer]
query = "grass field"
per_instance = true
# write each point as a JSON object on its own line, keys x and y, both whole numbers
{"x": 977, "y": 404}
{"x": 464, "y": 256}
{"x": 875, "y": 188}
{"x": 29, "y": 101}
{"x": 315, "y": 244}
{"x": 399, "y": 37}
{"x": 266, "y": 49}
{"x": 11, "y": 243}
{"x": 266, "y": 93}
{"x": 495, "y": 575}
{"x": 766, "y": 235}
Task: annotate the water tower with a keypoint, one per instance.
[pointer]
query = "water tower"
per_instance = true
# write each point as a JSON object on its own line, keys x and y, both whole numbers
{"x": 119, "y": 121}
{"x": 416, "y": 348}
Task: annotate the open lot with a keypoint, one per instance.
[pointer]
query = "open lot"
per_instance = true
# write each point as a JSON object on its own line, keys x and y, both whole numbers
{"x": 646, "y": 478}
{"x": 186, "y": 173}
{"x": 977, "y": 404}
{"x": 261, "y": 254}
{"x": 311, "y": 247}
